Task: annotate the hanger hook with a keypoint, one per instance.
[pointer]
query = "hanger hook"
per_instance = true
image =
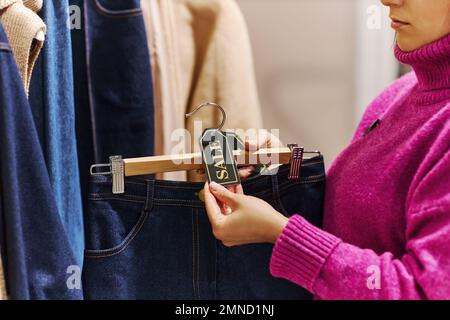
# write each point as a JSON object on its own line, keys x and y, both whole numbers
{"x": 212, "y": 104}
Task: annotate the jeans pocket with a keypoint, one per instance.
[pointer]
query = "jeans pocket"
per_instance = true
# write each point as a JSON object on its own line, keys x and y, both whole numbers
{"x": 118, "y": 9}
{"x": 112, "y": 225}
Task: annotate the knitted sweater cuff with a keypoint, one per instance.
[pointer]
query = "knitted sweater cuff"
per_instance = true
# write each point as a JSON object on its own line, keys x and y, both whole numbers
{"x": 301, "y": 251}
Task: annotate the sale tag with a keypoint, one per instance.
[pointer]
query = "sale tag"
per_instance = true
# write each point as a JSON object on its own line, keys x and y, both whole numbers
{"x": 234, "y": 141}
{"x": 220, "y": 165}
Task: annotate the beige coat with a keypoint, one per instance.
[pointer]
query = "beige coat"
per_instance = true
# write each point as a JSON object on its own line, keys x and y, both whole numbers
{"x": 200, "y": 52}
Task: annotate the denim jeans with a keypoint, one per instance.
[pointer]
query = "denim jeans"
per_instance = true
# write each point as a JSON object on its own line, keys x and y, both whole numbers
{"x": 113, "y": 84}
{"x": 37, "y": 251}
{"x": 53, "y": 105}
{"x": 155, "y": 241}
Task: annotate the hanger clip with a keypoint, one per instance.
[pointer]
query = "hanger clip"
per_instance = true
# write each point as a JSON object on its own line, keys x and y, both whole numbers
{"x": 296, "y": 162}
{"x": 117, "y": 171}
{"x": 118, "y": 175}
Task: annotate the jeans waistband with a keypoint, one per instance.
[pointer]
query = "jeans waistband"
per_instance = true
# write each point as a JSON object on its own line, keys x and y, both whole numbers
{"x": 181, "y": 193}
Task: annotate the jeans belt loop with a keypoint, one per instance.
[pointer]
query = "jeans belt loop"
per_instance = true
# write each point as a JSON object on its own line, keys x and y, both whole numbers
{"x": 150, "y": 195}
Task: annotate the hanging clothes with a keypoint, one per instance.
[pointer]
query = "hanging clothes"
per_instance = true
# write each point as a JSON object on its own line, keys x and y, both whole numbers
{"x": 3, "y": 291}
{"x": 156, "y": 240}
{"x": 3, "y": 294}
{"x": 114, "y": 96}
{"x": 35, "y": 5}
{"x": 200, "y": 52}
{"x": 52, "y": 101}
{"x": 26, "y": 33}
{"x": 37, "y": 254}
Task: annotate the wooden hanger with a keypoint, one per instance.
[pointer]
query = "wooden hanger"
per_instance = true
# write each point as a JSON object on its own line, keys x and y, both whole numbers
{"x": 120, "y": 168}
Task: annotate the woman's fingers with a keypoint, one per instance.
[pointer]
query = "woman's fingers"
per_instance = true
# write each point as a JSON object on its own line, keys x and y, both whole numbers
{"x": 246, "y": 172}
{"x": 224, "y": 195}
{"x": 239, "y": 189}
{"x": 230, "y": 244}
{"x": 253, "y": 145}
{"x": 264, "y": 140}
{"x": 235, "y": 243}
{"x": 226, "y": 210}
{"x": 212, "y": 207}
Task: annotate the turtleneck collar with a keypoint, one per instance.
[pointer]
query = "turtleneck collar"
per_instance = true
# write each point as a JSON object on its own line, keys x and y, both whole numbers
{"x": 431, "y": 65}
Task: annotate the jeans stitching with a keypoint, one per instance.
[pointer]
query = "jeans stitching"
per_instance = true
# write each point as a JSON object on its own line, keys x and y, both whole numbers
{"x": 122, "y": 246}
{"x": 276, "y": 194}
{"x": 116, "y": 13}
{"x": 284, "y": 185}
{"x": 175, "y": 187}
{"x": 215, "y": 267}
{"x": 246, "y": 184}
{"x": 178, "y": 202}
{"x": 280, "y": 171}
{"x": 117, "y": 199}
{"x": 287, "y": 185}
{"x": 89, "y": 83}
{"x": 108, "y": 182}
{"x": 193, "y": 203}
{"x": 110, "y": 195}
{"x": 179, "y": 205}
{"x": 158, "y": 183}
{"x": 193, "y": 255}
{"x": 150, "y": 197}
{"x": 310, "y": 180}
{"x": 198, "y": 254}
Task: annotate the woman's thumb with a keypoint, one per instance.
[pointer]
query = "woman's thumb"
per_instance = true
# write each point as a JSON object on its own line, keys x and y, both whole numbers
{"x": 223, "y": 194}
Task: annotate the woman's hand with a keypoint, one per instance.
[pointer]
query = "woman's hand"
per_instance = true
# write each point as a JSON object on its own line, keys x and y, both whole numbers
{"x": 238, "y": 219}
{"x": 264, "y": 140}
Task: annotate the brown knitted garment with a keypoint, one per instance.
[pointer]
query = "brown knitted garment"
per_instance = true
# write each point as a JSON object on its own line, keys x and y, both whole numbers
{"x": 26, "y": 33}
{"x": 35, "y": 5}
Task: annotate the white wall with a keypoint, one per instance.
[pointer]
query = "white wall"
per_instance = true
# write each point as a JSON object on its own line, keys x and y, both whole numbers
{"x": 314, "y": 64}
{"x": 375, "y": 63}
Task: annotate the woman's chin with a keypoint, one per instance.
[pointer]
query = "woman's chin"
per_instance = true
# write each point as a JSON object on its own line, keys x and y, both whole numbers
{"x": 406, "y": 45}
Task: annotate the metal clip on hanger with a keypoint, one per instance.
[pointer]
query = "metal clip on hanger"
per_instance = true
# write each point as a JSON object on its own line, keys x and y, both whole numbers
{"x": 116, "y": 170}
{"x": 120, "y": 168}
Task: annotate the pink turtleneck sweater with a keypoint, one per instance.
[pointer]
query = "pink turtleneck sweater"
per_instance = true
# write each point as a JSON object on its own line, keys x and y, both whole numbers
{"x": 387, "y": 201}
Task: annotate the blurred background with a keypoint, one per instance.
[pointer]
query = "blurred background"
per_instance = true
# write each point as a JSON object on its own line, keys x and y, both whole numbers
{"x": 318, "y": 64}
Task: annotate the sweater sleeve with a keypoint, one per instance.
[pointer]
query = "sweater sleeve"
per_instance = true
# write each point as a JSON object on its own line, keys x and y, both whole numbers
{"x": 333, "y": 269}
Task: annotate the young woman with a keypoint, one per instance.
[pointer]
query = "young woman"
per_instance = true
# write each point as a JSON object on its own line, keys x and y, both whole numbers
{"x": 387, "y": 203}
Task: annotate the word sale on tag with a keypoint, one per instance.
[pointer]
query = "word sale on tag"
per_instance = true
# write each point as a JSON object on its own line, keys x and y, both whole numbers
{"x": 220, "y": 165}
